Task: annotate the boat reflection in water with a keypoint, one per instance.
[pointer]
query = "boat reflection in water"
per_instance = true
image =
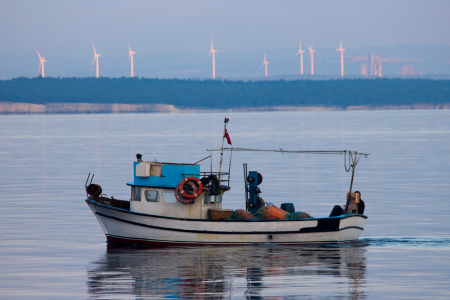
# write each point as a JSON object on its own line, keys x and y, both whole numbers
{"x": 252, "y": 272}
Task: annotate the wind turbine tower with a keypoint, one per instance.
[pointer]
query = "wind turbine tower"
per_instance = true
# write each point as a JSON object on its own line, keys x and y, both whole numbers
{"x": 311, "y": 53}
{"x": 130, "y": 54}
{"x": 342, "y": 58}
{"x": 300, "y": 51}
{"x": 214, "y": 59}
{"x": 41, "y": 63}
{"x": 265, "y": 63}
{"x": 96, "y": 56}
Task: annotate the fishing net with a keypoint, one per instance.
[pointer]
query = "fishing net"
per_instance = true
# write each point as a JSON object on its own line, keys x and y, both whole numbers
{"x": 270, "y": 213}
{"x": 241, "y": 214}
{"x": 298, "y": 216}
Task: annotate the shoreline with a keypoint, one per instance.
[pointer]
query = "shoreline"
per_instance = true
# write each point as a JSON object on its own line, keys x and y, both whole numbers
{"x": 16, "y": 108}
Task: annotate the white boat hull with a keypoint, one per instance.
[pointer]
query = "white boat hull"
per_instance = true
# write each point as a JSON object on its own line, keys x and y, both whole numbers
{"x": 123, "y": 226}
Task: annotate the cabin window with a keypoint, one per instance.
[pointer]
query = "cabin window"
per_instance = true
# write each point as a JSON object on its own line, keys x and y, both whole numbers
{"x": 169, "y": 197}
{"x": 211, "y": 199}
{"x": 152, "y": 196}
{"x": 136, "y": 193}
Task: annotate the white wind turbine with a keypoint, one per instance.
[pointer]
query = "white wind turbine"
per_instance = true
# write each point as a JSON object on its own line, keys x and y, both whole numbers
{"x": 214, "y": 59}
{"x": 342, "y": 58}
{"x": 311, "y": 53}
{"x": 300, "y": 51}
{"x": 265, "y": 64}
{"x": 41, "y": 63}
{"x": 96, "y": 56}
{"x": 130, "y": 54}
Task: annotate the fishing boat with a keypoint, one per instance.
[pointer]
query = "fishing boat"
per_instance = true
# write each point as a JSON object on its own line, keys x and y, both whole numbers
{"x": 177, "y": 204}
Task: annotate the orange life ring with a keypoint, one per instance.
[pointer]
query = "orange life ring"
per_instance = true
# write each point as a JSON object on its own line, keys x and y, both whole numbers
{"x": 196, "y": 187}
{"x": 182, "y": 199}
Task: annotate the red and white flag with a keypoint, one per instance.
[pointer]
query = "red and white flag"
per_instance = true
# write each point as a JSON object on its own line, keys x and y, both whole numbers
{"x": 227, "y": 136}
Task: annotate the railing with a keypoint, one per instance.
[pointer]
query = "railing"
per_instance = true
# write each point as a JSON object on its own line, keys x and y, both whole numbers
{"x": 224, "y": 177}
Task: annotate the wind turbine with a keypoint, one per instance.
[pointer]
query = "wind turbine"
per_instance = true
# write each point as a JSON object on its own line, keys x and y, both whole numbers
{"x": 96, "y": 56}
{"x": 214, "y": 59}
{"x": 41, "y": 63}
{"x": 265, "y": 63}
{"x": 311, "y": 53}
{"x": 342, "y": 58}
{"x": 130, "y": 54}
{"x": 300, "y": 51}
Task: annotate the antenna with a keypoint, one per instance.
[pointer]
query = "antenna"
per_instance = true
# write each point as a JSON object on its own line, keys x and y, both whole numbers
{"x": 85, "y": 185}
{"x": 247, "y": 204}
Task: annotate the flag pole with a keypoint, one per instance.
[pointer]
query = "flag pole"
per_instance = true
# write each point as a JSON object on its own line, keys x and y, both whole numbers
{"x": 223, "y": 141}
{"x": 221, "y": 154}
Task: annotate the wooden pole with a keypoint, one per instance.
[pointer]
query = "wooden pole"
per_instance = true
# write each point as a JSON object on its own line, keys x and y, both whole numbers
{"x": 229, "y": 167}
{"x": 221, "y": 156}
{"x": 221, "y": 152}
{"x": 351, "y": 184}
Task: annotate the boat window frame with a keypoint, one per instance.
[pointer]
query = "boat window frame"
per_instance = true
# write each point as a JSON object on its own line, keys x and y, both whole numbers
{"x": 134, "y": 191}
{"x": 171, "y": 192}
{"x": 157, "y": 196}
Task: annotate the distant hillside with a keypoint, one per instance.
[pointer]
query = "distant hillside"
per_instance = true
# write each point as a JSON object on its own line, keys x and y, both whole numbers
{"x": 227, "y": 94}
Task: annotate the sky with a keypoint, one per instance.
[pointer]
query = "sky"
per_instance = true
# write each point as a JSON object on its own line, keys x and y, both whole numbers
{"x": 167, "y": 29}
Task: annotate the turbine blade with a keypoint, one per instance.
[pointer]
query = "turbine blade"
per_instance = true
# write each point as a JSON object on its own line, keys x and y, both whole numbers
{"x": 209, "y": 54}
{"x": 38, "y": 53}
{"x": 93, "y": 63}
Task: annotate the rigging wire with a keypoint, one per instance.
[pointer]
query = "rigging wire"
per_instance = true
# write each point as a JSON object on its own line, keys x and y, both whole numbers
{"x": 289, "y": 151}
{"x": 353, "y": 158}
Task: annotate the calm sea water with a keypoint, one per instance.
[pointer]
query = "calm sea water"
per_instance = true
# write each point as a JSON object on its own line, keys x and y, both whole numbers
{"x": 51, "y": 246}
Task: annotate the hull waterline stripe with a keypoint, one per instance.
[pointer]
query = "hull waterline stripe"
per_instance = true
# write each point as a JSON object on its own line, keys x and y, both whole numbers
{"x": 152, "y": 242}
{"x": 302, "y": 230}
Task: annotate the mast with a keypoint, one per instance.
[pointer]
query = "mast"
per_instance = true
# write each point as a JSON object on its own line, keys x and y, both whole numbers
{"x": 353, "y": 162}
{"x": 221, "y": 152}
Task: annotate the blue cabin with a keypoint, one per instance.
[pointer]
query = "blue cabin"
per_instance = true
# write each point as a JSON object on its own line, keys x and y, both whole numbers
{"x": 153, "y": 190}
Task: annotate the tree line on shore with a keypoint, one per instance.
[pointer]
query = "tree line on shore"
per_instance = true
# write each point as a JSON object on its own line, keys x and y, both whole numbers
{"x": 224, "y": 94}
